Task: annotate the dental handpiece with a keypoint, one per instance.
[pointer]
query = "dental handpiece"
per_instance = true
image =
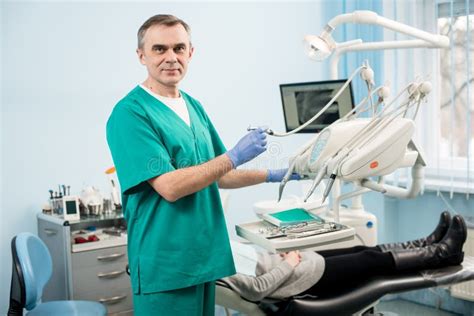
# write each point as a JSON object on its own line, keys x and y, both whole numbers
{"x": 266, "y": 130}
{"x": 285, "y": 180}
{"x": 316, "y": 182}
{"x": 328, "y": 186}
{"x": 283, "y": 184}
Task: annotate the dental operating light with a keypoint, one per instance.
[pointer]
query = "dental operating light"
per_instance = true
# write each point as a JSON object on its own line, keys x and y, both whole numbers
{"x": 321, "y": 47}
{"x": 317, "y": 47}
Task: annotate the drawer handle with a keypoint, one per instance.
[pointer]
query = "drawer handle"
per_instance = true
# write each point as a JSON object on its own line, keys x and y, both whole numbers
{"x": 113, "y": 300}
{"x": 50, "y": 232}
{"x": 113, "y": 274}
{"x": 111, "y": 257}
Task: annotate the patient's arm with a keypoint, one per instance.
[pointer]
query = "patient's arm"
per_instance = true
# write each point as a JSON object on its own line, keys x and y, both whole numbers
{"x": 257, "y": 288}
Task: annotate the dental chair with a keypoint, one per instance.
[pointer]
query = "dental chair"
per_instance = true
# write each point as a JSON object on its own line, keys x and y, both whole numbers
{"x": 356, "y": 300}
{"x": 32, "y": 268}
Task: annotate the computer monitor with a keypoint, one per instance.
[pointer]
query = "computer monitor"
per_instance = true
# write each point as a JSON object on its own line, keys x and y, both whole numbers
{"x": 301, "y": 101}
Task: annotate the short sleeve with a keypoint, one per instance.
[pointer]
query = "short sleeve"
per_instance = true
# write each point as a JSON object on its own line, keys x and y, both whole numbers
{"x": 137, "y": 150}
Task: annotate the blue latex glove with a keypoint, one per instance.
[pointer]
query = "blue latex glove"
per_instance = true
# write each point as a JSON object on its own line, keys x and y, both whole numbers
{"x": 276, "y": 175}
{"x": 248, "y": 147}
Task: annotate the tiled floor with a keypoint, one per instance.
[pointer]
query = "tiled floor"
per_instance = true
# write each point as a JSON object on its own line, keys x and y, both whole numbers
{"x": 405, "y": 308}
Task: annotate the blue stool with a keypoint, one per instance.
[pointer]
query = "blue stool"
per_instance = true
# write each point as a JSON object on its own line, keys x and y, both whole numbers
{"x": 32, "y": 268}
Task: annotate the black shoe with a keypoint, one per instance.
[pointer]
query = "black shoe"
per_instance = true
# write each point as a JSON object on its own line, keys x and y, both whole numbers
{"x": 445, "y": 253}
{"x": 435, "y": 237}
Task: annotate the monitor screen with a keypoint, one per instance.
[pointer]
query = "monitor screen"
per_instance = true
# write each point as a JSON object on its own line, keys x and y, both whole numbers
{"x": 71, "y": 207}
{"x": 301, "y": 101}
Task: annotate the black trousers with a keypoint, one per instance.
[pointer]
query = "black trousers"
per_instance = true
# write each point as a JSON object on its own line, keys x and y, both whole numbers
{"x": 349, "y": 266}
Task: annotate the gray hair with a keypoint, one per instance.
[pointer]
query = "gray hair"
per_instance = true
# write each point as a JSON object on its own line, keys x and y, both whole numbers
{"x": 161, "y": 19}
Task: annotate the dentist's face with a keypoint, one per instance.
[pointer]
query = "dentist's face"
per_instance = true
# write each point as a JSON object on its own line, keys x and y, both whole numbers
{"x": 166, "y": 52}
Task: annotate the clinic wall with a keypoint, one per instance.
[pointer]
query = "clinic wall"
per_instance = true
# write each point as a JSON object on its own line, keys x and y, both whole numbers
{"x": 64, "y": 66}
{"x": 417, "y": 217}
{"x": 401, "y": 220}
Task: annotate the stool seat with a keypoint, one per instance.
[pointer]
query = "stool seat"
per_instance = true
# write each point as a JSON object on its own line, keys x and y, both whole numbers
{"x": 31, "y": 270}
{"x": 70, "y": 308}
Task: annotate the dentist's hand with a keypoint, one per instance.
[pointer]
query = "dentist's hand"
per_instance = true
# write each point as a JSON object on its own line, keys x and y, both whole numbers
{"x": 277, "y": 175}
{"x": 248, "y": 147}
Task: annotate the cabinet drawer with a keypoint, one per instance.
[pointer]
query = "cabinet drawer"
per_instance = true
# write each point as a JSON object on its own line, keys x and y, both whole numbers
{"x": 54, "y": 235}
{"x": 102, "y": 257}
{"x": 100, "y": 278}
{"x": 115, "y": 300}
{"x": 47, "y": 230}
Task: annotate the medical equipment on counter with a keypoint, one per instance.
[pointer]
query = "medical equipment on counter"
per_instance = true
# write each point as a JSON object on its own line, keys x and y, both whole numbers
{"x": 92, "y": 201}
{"x": 46, "y": 209}
{"x": 113, "y": 231}
{"x": 107, "y": 207}
{"x": 71, "y": 207}
{"x": 63, "y": 204}
{"x": 115, "y": 192}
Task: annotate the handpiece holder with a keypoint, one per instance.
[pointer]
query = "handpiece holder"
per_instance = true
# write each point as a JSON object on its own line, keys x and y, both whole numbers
{"x": 365, "y": 185}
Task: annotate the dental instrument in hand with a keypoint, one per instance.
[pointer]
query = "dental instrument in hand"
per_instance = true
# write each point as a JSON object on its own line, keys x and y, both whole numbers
{"x": 248, "y": 147}
{"x": 265, "y": 129}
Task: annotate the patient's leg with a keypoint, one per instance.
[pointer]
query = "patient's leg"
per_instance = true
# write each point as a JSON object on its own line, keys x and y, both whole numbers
{"x": 346, "y": 270}
{"x": 345, "y": 251}
{"x": 435, "y": 237}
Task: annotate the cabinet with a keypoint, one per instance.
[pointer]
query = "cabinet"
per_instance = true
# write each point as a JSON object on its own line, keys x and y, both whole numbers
{"x": 92, "y": 271}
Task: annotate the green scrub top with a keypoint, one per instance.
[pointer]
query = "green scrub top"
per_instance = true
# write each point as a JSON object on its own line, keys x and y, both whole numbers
{"x": 171, "y": 245}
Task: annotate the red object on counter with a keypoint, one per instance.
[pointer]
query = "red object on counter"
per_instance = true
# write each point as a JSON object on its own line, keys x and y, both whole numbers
{"x": 93, "y": 238}
{"x": 80, "y": 240}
